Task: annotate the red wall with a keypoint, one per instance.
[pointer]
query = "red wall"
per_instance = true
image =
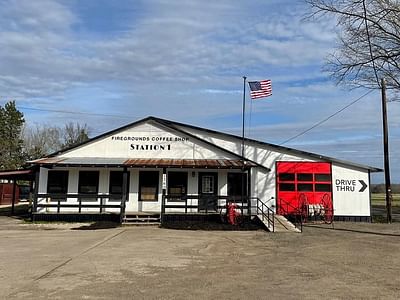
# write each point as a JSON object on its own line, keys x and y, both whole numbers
{"x": 6, "y": 193}
{"x": 302, "y": 183}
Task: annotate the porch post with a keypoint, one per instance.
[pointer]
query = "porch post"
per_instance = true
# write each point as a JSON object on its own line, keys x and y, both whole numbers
{"x": 164, "y": 192}
{"x": 13, "y": 195}
{"x": 249, "y": 191}
{"x": 35, "y": 193}
{"x": 124, "y": 193}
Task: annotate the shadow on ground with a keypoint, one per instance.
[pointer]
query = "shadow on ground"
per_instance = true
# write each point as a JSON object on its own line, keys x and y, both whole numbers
{"x": 187, "y": 225}
{"x": 21, "y": 211}
{"x": 98, "y": 225}
{"x": 353, "y": 230}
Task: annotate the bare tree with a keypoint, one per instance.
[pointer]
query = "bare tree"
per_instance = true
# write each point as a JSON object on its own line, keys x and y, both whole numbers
{"x": 42, "y": 140}
{"x": 369, "y": 41}
{"x": 74, "y": 134}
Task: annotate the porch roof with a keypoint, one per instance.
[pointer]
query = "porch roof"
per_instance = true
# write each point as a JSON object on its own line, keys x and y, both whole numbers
{"x": 190, "y": 163}
{"x": 27, "y": 174}
{"x": 145, "y": 162}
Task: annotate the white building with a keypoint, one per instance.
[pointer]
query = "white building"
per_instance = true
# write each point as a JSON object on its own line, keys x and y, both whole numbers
{"x": 160, "y": 166}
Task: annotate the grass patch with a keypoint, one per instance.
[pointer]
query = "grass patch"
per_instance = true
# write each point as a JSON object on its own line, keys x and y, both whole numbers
{"x": 380, "y": 199}
{"x": 379, "y": 219}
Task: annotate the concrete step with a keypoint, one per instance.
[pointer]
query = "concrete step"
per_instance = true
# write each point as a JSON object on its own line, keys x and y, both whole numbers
{"x": 141, "y": 219}
{"x": 141, "y": 224}
{"x": 284, "y": 225}
{"x": 265, "y": 222}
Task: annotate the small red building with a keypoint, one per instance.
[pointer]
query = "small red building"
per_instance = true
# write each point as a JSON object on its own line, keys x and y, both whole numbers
{"x": 6, "y": 193}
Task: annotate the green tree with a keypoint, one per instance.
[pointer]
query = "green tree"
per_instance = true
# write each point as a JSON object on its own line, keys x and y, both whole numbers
{"x": 11, "y": 144}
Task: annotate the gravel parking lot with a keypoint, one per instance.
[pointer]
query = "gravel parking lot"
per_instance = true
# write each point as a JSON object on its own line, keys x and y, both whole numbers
{"x": 63, "y": 261}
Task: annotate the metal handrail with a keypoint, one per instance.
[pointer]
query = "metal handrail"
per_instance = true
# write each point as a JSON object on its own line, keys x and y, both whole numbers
{"x": 269, "y": 214}
{"x": 298, "y": 215}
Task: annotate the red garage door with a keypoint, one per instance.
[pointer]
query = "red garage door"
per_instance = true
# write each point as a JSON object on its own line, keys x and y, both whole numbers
{"x": 303, "y": 183}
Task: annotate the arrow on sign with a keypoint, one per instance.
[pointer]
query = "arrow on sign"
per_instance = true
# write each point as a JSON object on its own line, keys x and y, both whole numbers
{"x": 364, "y": 186}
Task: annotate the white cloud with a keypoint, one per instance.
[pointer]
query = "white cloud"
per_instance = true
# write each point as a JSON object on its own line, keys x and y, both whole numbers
{"x": 178, "y": 60}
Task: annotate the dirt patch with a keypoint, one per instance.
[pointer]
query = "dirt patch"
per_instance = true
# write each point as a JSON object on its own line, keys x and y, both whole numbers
{"x": 349, "y": 261}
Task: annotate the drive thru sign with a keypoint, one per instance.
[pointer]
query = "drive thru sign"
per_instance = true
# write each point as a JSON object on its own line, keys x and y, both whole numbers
{"x": 346, "y": 185}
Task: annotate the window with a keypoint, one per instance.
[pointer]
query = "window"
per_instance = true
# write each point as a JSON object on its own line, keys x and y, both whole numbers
{"x": 286, "y": 176}
{"x": 57, "y": 183}
{"x": 207, "y": 184}
{"x": 115, "y": 188}
{"x": 177, "y": 184}
{"x": 304, "y": 177}
{"x": 287, "y": 187}
{"x": 88, "y": 182}
{"x": 237, "y": 184}
{"x": 148, "y": 185}
{"x": 323, "y": 177}
{"x": 305, "y": 187}
{"x": 116, "y": 182}
{"x": 322, "y": 187}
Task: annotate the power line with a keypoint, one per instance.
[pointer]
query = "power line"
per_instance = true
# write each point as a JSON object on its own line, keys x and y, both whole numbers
{"x": 326, "y": 119}
{"x": 76, "y": 112}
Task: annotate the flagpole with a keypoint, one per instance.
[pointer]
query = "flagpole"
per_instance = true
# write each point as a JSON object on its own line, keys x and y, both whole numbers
{"x": 243, "y": 112}
{"x": 243, "y": 160}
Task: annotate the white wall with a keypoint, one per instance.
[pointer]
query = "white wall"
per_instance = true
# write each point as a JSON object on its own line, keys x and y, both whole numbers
{"x": 132, "y": 204}
{"x": 348, "y": 200}
{"x": 263, "y": 183}
{"x": 146, "y": 141}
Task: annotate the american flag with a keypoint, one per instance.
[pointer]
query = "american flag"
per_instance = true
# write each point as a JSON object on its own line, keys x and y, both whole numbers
{"x": 260, "y": 89}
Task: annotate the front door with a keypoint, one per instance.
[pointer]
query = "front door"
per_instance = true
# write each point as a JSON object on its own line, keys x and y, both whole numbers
{"x": 148, "y": 190}
{"x": 208, "y": 191}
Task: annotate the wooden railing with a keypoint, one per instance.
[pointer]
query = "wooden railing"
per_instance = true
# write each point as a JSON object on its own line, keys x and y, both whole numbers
{"x": 94, "y": 201}
{"x": 204, "y": 204}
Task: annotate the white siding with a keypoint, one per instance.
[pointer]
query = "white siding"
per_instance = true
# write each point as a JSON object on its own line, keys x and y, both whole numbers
{"x": 347, "y": 198}
{"x": 147, "y": 141}
{"x": 160, "y": 142}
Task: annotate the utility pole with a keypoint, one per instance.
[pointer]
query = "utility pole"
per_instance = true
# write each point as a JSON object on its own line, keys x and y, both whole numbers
{"x": 386, "y": 154}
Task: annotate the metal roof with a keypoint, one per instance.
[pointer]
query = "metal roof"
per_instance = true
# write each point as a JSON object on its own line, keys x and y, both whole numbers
{"x": 17, "y": 174}
{"x": 179, "y": 127}
{"x": 190, "y": 163}
{"x": 143, "y": 162}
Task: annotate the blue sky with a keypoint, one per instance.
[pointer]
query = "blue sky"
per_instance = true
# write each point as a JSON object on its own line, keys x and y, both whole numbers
{"x": 184, "y": 61}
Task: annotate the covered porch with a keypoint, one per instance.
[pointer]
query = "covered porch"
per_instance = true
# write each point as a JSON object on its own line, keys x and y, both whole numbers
{"x": 138, "y": 187}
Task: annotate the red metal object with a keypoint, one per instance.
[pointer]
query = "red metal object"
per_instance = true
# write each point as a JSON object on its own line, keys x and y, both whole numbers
{"x": 328, "y": 208}
{"x": 232, "y": 214}
{"x": 302, "y": 184}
